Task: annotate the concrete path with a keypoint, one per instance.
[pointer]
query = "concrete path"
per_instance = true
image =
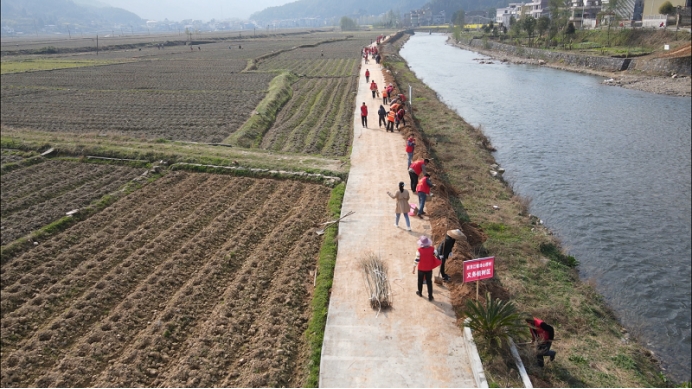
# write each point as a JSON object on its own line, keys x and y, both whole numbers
{"x": 415, "y": 344}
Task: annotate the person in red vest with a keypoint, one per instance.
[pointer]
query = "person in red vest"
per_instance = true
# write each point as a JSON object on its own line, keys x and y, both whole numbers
{"x": 373, "y": 88}
{"x": 367, "y": 75}
{"x": 364, "y": 115}
{"x": 423, "y": 190}
{"x": 426, "y": 260}
{"x": 543, "y": 334}
{"x": 415, "y": 169}
{"x": 400, "y": 117}
{"x": 410, "y": 147}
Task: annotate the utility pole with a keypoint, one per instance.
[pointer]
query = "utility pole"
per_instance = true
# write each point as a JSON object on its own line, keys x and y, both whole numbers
{"x": 97, "y": 44}
{"x": 69, "y": 34}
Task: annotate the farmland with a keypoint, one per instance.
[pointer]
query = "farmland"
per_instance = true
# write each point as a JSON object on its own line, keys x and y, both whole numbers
{"x": 193, "y": 280}
{"x": 196, "y": 93}
{"x": 186, "y": 278}
{"x": 39, "y": 194}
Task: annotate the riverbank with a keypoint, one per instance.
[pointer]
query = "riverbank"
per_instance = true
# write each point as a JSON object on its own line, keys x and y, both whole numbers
{"x": 672, "y": 86}
{"x": 593, "y": 349}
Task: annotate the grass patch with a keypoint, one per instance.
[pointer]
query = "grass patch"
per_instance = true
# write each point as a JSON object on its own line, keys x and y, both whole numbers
{"x": 251, "y": 132}
{"x": 320, "y": 299}
{"x": 552, "y": 251}
{"x": 32, "y": 65}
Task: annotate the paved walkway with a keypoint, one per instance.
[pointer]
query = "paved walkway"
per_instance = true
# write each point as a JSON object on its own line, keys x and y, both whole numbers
{"x": 416, "y": 343}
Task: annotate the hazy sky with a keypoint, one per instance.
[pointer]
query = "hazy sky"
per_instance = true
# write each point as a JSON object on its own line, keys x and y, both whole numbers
{"x": 194, "y": 9}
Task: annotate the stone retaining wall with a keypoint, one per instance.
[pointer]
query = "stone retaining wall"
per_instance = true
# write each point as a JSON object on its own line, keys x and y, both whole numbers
{"x": 660, "y": 66}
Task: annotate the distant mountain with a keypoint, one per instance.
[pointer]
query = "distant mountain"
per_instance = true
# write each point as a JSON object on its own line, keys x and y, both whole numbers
{"x": 55, "y": 15}
{"x": 334, "y": 9}
{"x": 353, "y": 8}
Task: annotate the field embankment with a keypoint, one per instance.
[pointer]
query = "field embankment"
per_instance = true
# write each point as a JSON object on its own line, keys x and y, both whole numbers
{"x": 594, "y": 350}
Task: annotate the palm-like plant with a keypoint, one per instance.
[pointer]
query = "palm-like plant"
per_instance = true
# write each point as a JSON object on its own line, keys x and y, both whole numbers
{"x": 495, "y": 321}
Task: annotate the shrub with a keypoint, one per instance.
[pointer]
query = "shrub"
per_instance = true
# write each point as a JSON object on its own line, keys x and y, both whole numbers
{"x": 494, "y": 322}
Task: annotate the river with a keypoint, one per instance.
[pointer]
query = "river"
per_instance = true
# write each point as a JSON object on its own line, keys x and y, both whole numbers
{"x": 606, "y": 168}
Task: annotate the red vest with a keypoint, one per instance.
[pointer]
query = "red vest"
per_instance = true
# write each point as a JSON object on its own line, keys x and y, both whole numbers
{"x": 367, "y": 73}
{"x": 423, "y": 186}
{"x": 417, "y": 166}
{"x": 428, "y": 261}
{"x": 409, "y": 149}
{"x": 363, "y": 110}
{"x": 540, "y": 332}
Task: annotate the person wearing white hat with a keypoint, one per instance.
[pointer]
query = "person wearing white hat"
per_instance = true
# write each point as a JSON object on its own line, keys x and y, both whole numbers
{"x": 426, "y": 260}
{"x": 444, "y": 249}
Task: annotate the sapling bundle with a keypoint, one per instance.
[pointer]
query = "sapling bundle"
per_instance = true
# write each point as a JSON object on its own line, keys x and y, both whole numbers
{"x": 377, "y": 281}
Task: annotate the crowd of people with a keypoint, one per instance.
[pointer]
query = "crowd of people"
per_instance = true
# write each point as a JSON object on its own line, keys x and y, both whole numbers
{"x": 428, "y": 257}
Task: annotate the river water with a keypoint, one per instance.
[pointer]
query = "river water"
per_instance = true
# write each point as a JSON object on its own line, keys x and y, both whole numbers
{"x": 607, "y": 169}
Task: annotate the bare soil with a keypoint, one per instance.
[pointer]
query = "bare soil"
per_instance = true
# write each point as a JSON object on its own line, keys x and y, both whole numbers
{"x": 39, "y": 194}
{"x": 194, "y": 280}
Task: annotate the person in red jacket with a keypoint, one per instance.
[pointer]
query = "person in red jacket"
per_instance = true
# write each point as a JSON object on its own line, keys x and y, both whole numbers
{"x": 410, "y": 147}
{"x": 367, "y": 75}
{"x": 364, "y": 115}
{"x": 543, "y": 334}
{"x": 423, "y": 190}
{"x": 415, "y": 169}
{"x": 373, "y": 89}
{"x": 426, "y": 260}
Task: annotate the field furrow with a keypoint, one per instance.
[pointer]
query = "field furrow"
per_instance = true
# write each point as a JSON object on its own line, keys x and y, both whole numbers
{"x": 97, "y": 298}
{"x": 179, "y": 276}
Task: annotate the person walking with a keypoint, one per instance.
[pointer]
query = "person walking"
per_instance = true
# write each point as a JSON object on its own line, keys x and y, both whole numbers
{"x": 543, "y": 334}
{"x": 391, "y": 116}
{"x": 423, "y": 191}
{"x": 415, "y": 169}
{"x": 384, "y": 96}
{"x": 426, "y": 261}
{"x": 382, "y": 113}
{"x": 444, "y": 250}
{"x": 410, "y": 147}
{"x": 367, "y": 75}
{"x": 373, "y": 88}
{"x": 364, "y": 115}
{"x": 401, "y": 196}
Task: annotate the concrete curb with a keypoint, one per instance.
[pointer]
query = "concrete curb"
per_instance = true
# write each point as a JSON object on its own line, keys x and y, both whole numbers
{"x": 474, "y": 357}
{"x": 520, "y": 365}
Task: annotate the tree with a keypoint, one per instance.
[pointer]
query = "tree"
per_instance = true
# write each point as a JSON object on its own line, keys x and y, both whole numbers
{"x": 514, "y": 27}
{"x": 459, "y": 18}
{"x": 542, "y": 25}
{"x": 666, "y": 9}
{"x": 348, "y": 24}
{"x": 528, "y": 23}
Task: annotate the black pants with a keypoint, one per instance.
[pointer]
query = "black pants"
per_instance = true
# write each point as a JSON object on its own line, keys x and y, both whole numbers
{"x": 367, "y": 78}
{"x": 383, "y": 120}
{"x": 390, "y": 126}
{"x": 543, "y": 350}
{"x": 373, "y": 94}
{"x": 414, "y": 180}
{"x": 427, "y": 276}
{"x": 442, "y": 268}
{"x": 364, "y": 119}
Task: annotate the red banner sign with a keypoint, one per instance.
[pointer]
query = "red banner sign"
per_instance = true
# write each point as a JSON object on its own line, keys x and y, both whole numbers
{"x": 479, "y": 269}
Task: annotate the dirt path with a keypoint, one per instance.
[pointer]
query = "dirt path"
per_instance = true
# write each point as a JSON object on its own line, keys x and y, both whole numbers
{"x": 415, "y": 344}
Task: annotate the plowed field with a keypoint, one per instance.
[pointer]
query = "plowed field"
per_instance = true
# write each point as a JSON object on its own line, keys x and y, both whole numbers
{"x": 316, "y": 120}
{"x": 37, "y": 195}
{"x": 194, "y": 280}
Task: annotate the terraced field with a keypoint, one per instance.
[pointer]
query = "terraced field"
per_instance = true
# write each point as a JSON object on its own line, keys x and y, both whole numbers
{"x": 39, "y": 194}
{"x": 193, "y": 280}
